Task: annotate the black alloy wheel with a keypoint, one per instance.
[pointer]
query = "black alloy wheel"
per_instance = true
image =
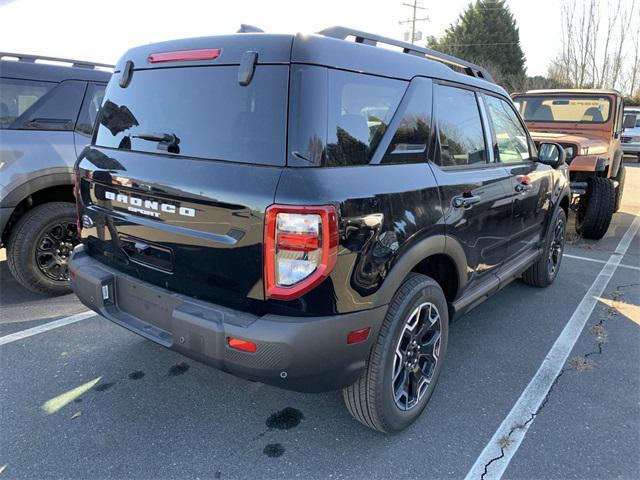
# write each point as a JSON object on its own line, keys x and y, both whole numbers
{"x": 555, "y": 248}
{"x": 416, "y": 356}
{"x": 53, "y": 248}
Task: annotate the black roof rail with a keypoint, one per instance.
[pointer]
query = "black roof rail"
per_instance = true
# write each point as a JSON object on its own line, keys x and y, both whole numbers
{"x": 21, "y": 57}
{"x": 372, "y": 39}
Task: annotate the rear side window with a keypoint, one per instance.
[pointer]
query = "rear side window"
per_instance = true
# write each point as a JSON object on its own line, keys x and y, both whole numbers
{"x": 56, "y": 110}
{"x": 460, "y": 132}
{"x": 203, "y": 112}
{"x": 90, "y": 108}
{"x": 17, "y": 96}
{"x": 360, "y": 109}
{"x": 411, "y": 136}
{"x": 511, "y": 143}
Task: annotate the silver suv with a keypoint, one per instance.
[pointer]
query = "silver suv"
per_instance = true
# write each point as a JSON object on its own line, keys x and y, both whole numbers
{"x": 47, "y": 111}
{"x": 631, "y": 134}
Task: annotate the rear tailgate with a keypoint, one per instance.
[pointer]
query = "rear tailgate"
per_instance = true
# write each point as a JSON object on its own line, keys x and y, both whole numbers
{"x": 184, "y": 162}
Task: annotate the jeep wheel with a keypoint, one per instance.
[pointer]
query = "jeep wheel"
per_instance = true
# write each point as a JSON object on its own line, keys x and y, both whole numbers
{"x": 545, "y": 270}
{"x": 596, "y": 208}
{"x": 406, "y": 359}
{"x": 40, "y": 245}
{"x": 620, "y": 188}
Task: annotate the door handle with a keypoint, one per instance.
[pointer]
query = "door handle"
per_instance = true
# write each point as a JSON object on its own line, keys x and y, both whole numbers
{"x": 464, "y": 201}
{"x": 523, "y": 187}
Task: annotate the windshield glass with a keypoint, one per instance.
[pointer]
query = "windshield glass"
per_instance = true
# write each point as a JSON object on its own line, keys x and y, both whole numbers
{"x": 635, "y": 116}
{"x": 564, "y": 108}
{"x": 199, "y": 112}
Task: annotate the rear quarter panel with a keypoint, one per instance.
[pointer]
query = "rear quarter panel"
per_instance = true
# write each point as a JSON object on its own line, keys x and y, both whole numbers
{"x": 383, "y": 211}
{"x": 30, "y": 159}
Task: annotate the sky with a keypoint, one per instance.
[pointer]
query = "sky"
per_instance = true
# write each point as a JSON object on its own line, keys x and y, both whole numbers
{"x": 101, "y": 31}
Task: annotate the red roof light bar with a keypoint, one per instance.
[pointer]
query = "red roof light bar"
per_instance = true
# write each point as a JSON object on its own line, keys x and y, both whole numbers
{"x": 185, "y": 55}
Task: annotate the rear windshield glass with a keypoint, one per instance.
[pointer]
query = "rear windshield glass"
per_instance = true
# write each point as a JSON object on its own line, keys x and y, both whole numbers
{"x": 575, "y": 109}
{"x": 199, "y": 112}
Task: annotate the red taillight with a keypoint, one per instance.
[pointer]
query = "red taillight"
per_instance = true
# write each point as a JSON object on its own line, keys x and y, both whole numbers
{"x": 185, "y": 55}
{"x": 300, "y": 248}
{"x": 244, "y": 345}
{"x": 358, "y": 336}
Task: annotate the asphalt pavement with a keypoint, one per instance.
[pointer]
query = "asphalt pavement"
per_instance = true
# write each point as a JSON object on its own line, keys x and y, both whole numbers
{"x": 92, "y": 400}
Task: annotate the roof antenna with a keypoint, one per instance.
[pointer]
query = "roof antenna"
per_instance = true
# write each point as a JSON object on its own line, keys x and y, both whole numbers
{"x": 244, "y": 28}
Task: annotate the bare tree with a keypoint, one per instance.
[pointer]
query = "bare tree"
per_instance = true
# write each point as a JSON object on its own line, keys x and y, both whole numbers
{"x": 596, "y": 39}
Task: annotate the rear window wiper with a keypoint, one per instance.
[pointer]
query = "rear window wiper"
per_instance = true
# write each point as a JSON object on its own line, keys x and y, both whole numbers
{"x": 166, "y": 141}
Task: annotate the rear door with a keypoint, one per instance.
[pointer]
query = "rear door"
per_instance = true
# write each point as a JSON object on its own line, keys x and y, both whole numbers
{"x": 184, "y": 163}
{"x": 475, "y": 191}
{"x": 531, "y": 182}
{"x": 36, "y": 125}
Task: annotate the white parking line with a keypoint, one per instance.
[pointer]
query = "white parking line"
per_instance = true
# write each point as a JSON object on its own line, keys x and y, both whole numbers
{"x": 514, "y": 427}
{"x": 14, "y": 337}
{"x": 594, "y": 260}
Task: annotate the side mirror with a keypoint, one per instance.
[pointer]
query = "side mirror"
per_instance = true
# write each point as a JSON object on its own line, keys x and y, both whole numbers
{"x": 552, "y": 154}
{"x": 629, "y": 121}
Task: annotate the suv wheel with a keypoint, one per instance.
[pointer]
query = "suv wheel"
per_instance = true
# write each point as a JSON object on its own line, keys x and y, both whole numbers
{"x": 545, "y": 270}
{"x": 596, "y": 208}
{"x": 620, "y": 188}
{"x": 40, "y": 245}
{"x": 406, "y": 359}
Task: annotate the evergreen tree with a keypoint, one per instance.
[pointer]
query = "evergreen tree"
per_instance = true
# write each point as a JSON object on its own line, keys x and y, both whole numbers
{"x": 486, "y": 34}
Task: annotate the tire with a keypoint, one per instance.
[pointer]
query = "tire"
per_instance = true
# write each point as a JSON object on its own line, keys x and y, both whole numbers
{"x": 373, "y": 399}
{"x": 545, "y": 270}
{"x": 620, "y": 177}
{"x": 44, "y": 235}
{"x": 596, "y": 208}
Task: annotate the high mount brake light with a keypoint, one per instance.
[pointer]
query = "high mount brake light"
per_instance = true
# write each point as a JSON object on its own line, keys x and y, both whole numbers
{"x": 300, "y": 248}
{"x": 185, "y": 55}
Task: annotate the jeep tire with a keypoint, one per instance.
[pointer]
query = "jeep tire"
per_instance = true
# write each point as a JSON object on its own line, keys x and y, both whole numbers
{"x": 620, "y": 176}
{"x": 545, "y": 270}
{"x": 596, "y": 208}
{"x": 44, "y": 236}
{"x": 406, "y": 359}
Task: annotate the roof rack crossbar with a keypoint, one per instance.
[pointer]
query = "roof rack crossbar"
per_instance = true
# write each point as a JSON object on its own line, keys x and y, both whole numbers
{"x": 74, "y": 63}
{"x": 372, "y": 39}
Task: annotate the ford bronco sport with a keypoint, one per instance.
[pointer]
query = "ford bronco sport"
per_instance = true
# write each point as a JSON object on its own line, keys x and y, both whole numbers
{"x": 47, "y": 111}
{"x": 309, "y": 211}
{"x": 588, "y": 124}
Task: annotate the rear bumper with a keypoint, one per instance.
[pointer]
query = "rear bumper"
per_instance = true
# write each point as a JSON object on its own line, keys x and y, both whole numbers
{"x": 308, "y": 354}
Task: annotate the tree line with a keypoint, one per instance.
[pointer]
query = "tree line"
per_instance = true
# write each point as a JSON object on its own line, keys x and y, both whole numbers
{"x": 599, "y": 45}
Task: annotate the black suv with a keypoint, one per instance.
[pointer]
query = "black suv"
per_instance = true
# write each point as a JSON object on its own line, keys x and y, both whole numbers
{"x": 309, "y": 211}
{"x": 47, "y": 112}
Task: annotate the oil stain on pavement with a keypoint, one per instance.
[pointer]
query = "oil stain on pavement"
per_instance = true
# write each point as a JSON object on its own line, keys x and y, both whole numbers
{"x": 284, "y": 419}
{"x": 273, "y": 450}
{"x": 137, "y": 375}
{"x": 178, "y": 369}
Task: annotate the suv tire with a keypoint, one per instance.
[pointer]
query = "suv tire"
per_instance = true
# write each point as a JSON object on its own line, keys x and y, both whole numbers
{"x": 620, "y": 177}
{"x": 596, "y": 208}
{"x": 52, "y": 227}
{"x": 417, "y": 317}
{"x": 545, "y": 270}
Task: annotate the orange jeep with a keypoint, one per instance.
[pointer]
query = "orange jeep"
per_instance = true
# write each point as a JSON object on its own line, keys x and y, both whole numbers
{"x": 588, "y": 124}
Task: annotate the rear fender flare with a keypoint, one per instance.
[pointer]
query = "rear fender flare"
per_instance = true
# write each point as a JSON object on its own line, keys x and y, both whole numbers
{"x": 437, "y": 244}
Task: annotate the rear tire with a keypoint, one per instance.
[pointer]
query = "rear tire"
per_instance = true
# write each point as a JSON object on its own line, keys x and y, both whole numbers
{"x": 545, "y": 270}
{"x": 620, "y": 177}
{"x": 405, "y": 361}
{"x": 596, "y": 208}
{"x": 44, "y": 235}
